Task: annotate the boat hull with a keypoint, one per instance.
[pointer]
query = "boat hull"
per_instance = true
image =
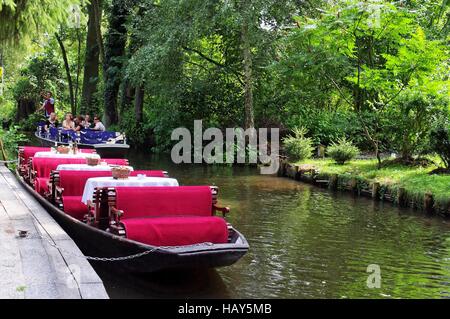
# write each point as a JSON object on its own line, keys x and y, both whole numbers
{"x": 104, "y": 150}
{"x": 99, "y": 243}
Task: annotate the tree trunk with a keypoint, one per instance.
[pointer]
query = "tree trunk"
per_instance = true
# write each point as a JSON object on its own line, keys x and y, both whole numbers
{"x": 25, "y": 108}
{"x": 139, "y": 104}
{"x": 114, "y": 51}
{"x": 91, "y": 64}
{"x": 2, "y": 71}
{"x": 248, "y": 77}
{"x": 69, "y": 76}
{"x": 97, "y": 6}
{"x": 77, "y": 80}
{"x": 127, "y": 96}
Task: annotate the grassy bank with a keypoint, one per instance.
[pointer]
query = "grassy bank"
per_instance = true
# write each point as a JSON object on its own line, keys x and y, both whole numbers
{"x": 10, "y": 140}
{"x": 415, "y": 180}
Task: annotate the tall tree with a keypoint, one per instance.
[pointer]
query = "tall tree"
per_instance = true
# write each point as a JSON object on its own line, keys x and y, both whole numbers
{"x": 68, "y": 73}
{"x": 116, "y": 39}
{"x": 92, "y": 59}
{"x": 247, "y": 66}
{"x": 228, "y": 39}
{"x": 24, "y": 19}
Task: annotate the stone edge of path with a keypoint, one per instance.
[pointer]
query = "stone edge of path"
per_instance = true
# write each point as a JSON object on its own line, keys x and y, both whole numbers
{"x": 70, "y": 277}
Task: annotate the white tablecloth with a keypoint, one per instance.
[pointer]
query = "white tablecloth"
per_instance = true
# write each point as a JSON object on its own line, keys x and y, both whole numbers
{"x": 58, "y": 155}
{"x": 85, "y": 167}
{"x": 92, "y": 183}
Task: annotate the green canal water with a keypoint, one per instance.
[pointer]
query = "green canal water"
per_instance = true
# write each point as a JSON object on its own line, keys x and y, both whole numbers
{"x": 305, "y": 242}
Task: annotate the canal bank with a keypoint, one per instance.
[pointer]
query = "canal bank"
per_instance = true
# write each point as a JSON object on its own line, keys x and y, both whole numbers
{"x": 417, "y": 190}
{"x": 31, "y": 267}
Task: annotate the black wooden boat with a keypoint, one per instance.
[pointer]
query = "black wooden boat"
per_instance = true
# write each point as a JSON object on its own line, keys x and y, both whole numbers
{"x": 103, "y": 147}
{"x": 95, "y": 242}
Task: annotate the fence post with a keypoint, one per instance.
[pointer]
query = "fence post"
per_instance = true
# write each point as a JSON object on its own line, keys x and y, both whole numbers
{"x": 353, "y": 184}
{"x": 428, "y": 202}
{"x": 333, "y": 181}
{"x": 401, "y": 197}
{"x": 376, "y": 190}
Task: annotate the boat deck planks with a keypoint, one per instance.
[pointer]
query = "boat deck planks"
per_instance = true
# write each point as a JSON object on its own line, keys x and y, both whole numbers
{"x": 30, "y": 267}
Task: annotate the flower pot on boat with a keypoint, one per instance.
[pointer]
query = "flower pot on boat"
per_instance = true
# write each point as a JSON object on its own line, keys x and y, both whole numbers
{"x": 120, "y": 172}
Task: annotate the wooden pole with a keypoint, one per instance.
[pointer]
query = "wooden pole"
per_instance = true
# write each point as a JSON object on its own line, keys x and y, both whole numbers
{"x": 313, "y": 175}
{"x": 296, "y": 172}
{"x": 428, "y": 202}
{"x": 401, "y": 197}
{"x": 5, "y": 158}
{"x": 333, "y": 181}
{"x": 353, "y": 184}
{"x": 376, "y": 191}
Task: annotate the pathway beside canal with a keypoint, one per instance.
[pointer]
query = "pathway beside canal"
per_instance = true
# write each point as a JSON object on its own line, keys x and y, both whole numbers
{"x": 30, "y": 267}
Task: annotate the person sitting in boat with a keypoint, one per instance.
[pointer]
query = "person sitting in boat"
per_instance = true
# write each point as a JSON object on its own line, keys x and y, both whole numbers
{"x": 68, "y": 123}
{"x": 52, "y": 121}
{"x": 98, "y": 125}
{"x": 79, "y": 123}
{"x": 49, "y": 104}
{"x": 87, "y": 121}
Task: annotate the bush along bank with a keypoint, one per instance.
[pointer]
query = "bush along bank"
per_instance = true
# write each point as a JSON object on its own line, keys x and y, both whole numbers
{"x": 402, "y": 186}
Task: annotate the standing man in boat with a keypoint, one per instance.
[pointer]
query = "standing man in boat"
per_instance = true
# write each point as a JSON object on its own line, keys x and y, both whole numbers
{"x": 49, "y": 104}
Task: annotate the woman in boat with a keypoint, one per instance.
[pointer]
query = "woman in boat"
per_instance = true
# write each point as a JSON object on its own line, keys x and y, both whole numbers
{"x": 68, "y": 123}
{"x": 79, "y": 123}
{"x": 52, "y": 121}
{"x": 87, "y": 122}
{"x": 98, "y": 125}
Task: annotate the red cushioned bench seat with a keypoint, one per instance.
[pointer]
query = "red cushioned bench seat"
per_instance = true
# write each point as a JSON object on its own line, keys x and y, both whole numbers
{"x": 167, "y": 216}
{"x": 41, "y": 185}
{"x": 176, "y": 231}
{"x": 30, "y": 151}
{"x": 73, "y": 206}
{"x": 25, "y": 153}
{"x": 71, "y": 185}
{"x": 42, "y": 167}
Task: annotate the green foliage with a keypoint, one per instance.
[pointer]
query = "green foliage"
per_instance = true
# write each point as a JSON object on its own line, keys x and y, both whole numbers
{"x": 342, "y": 151}
{"x": 29, "y": 124}
{"x": 356, "y": 59}
{"x": 137, "y": 133}
{"x": 191, "y": 58}
{"x": 298, "y": 147}
{"x": 21, "y": 20}
{"x": 440, "y": 143}
{"x": 409, "y": 122}
{"x": 42, "y": 72}
{"x": 11, "y": 139}
{"x": 325, "y": 126}
{"x": 7, "y": 109}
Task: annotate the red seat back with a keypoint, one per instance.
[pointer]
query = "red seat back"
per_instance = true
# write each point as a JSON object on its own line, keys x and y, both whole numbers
{"x": 149, "y": 173}
{"x": 158, "y": 201}
{"x": 44, "y": 166}
{"x": 29, "y": 151}
{"x": 115, "y": 161}
{"x": 73, "y": 182}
